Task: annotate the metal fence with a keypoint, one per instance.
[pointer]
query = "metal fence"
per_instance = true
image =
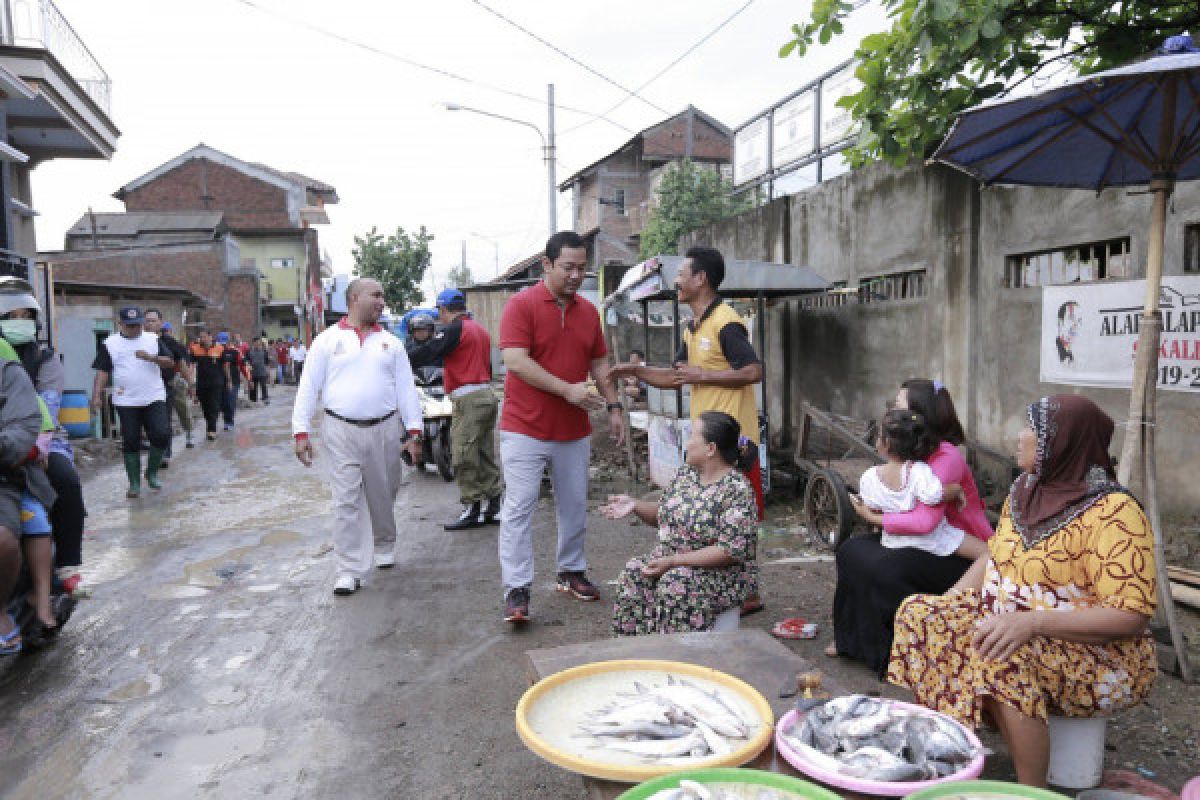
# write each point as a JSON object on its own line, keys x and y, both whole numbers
{"x": 39, "y": 24}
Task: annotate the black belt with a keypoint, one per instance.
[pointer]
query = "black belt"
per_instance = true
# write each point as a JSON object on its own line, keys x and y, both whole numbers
{"x": 362, "y": 423}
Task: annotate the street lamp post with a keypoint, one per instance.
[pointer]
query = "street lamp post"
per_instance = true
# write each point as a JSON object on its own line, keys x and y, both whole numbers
{"x": 548, "y": 147}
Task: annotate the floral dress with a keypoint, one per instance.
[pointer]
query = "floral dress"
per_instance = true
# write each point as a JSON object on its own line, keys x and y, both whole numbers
{"x": 692, "y": 516}
{"x": 1103, "y": 558}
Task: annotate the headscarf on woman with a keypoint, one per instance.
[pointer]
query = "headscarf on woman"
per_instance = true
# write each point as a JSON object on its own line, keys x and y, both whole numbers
{"x": 1072, "y": 471}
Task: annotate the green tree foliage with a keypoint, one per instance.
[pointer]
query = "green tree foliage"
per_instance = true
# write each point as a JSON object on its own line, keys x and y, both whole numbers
{"x": 398, "y": 262}
{"x": 689, "y": 197}
{"x": 460, "y": 277}
{"x": 943, "y": 56}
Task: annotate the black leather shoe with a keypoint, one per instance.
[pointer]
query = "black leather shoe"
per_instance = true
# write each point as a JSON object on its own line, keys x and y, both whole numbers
{"x": 491, "y": 512}
{"x": 469, "y": 518}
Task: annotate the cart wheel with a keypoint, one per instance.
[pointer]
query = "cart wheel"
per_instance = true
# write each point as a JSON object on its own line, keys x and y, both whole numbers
{"x": 827, "y": 507}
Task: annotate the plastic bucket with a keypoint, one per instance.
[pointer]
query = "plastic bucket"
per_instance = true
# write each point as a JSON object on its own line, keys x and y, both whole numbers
{"x": 74, "y": 414}
{"x": 1076, "y": 751}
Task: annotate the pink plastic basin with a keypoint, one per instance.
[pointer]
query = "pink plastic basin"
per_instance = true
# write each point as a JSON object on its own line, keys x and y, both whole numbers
{"x": 1191, "y": 789}
{"x": 885, "y": 788}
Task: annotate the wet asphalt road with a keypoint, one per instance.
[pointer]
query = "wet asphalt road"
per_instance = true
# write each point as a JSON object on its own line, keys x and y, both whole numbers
{"x": 213, "y": 661}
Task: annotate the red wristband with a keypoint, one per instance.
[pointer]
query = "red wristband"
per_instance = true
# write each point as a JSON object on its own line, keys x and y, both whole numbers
{"x": 414, "y": 432}
{"x": 301, "y": 436}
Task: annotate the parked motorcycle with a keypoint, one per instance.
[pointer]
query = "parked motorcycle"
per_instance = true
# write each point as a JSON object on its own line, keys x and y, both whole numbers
{"x": 437, "y": 410}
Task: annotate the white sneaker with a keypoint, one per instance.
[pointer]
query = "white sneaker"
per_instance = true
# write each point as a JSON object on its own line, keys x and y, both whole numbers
{"x": 346, "y": 584}
{"x": 385, "y": 560}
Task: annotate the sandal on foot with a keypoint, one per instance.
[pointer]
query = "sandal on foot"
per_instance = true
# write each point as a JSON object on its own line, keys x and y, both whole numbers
{"x": 10, "y": 643}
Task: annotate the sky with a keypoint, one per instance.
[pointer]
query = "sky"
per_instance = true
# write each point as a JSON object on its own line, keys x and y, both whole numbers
{"x": 327, "y": 89}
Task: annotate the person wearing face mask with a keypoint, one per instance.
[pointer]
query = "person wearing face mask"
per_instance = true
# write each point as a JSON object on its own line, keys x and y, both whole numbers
{"x": 134, "y": 359}
{"x": 19, "y": 315}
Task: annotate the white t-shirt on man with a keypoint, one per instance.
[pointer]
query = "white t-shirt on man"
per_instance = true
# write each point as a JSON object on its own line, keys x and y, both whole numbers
{"x": 136, "y": 383}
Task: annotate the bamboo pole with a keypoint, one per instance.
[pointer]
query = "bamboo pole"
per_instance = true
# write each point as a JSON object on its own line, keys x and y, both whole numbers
{"x": 1166, "y": 601}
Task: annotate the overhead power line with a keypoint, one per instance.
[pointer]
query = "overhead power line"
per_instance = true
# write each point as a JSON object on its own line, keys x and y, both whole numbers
{"x": 568, "y": 56}
{"x": 668, "y": 67}
{"x": 445, "y": 73}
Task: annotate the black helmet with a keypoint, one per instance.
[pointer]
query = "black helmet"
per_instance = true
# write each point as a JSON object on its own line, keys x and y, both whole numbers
{"x": 421, "y": 322}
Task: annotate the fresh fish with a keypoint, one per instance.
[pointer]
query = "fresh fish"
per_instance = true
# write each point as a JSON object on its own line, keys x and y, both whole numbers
{"x": 692, "y": 744}
{"x": 715, "y": 743}
{"x": 701, "y": 706}
{"x": 638, "y": 727}
{"x": 867, "y": 737}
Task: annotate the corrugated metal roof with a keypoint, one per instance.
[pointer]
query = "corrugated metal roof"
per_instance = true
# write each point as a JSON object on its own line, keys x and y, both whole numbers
{"x": 134, "y": 222}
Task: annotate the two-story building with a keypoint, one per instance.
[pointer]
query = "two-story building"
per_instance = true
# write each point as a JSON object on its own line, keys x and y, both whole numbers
{"x": 611, "y": 198}
{"x": 237, "y": 233}
{"x": 55, "y": 102}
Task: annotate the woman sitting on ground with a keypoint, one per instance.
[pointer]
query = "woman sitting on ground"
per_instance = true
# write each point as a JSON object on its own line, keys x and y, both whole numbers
{"x": 707, "y": 523}
{"x": 1054, "y": 619}
{"x": 872, "y": 579}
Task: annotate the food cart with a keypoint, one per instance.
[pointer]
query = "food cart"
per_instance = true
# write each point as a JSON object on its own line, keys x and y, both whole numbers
{"x": 646, "y": 296}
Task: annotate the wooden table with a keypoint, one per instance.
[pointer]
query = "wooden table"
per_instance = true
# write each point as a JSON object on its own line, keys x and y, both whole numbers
{"x": 752, "y": 655}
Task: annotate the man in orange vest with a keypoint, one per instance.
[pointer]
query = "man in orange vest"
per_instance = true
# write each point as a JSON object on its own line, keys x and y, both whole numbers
{"x": 715, "y": 358}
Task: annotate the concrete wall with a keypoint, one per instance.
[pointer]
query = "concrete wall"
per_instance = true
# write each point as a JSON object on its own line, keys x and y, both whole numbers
{"x": 979, "y": 338}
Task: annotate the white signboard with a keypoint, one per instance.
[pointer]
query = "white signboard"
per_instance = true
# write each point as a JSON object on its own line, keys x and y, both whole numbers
{"x": 836, "y": 123}
{"x": 1090, "y": 331}
{"x": 793, "y": 137}
{"x": 750, "y": 152}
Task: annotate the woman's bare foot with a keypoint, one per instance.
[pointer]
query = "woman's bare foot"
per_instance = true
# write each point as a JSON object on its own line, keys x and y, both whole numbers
{"x": 831, "y": 651}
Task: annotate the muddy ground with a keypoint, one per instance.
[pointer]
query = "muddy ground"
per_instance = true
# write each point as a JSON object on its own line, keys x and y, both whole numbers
{"x": 212, "y": 660}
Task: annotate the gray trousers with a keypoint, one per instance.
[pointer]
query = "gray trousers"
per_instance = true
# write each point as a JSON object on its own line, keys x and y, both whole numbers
{"x": 365, "y": 474}
{"x": 523, "y": 459}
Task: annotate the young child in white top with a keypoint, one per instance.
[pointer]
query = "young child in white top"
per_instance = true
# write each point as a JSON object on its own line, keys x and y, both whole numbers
{"x": 897, "y": 486}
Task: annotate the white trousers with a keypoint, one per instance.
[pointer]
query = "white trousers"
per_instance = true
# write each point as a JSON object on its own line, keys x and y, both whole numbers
{"x": 524, "y": 460}
{"x": 365, "y": 474}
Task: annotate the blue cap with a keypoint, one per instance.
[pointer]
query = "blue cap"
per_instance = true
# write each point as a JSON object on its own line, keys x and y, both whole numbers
{"x": 449, "y": 297}
{"x": 222, "y": 338}
{"x": 131, "y": 315}
{"x": 166, "y": 326}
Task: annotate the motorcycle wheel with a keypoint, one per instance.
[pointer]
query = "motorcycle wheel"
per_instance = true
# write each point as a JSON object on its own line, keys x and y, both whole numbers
{"x": 441, "y": 455}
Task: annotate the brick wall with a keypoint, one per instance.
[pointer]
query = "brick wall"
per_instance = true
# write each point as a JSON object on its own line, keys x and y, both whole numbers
{"x": 200, "y": 184}
{"x": 232, "y": 301}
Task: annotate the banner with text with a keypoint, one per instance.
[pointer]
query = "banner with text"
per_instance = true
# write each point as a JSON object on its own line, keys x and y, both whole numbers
{"x": 1090, "y": 331}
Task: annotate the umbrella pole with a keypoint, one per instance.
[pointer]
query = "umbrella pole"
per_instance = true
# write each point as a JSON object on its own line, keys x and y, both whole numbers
{"x": 1137, "y": 453}
{"x": 1142, "y": 390}
{"x": 1166, "y": 602}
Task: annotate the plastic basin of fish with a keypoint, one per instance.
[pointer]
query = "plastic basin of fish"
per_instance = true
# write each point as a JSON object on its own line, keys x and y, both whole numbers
{"x": 753, "y": 777}
{"x": 885, "y": 788}
{"x": 993, "y": 790}
{"x": 549, "y": 713}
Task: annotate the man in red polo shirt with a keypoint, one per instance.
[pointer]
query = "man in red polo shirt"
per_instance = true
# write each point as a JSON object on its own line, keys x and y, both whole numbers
{"x": 465, "y": 348}
{"x": 551, "y": 341}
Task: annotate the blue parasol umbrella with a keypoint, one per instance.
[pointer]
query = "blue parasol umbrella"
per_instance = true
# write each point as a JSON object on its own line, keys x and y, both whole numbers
{"x": 1134, "y": 125}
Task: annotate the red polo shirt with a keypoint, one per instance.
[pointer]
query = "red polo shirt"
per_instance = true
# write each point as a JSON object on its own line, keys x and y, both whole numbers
{"x": 564, "y": 342}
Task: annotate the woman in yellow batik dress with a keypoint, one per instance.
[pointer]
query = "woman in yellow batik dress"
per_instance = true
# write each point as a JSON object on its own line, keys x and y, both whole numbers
{"x": 1054, "y": 619}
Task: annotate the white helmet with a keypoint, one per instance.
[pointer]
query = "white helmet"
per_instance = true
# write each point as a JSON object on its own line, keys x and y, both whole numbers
{"x": 16, "y": 293}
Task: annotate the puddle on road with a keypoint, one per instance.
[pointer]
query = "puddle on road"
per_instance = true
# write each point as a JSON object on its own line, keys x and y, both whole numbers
{"x": 192, "y": 761}
{"x": 142, "y": 687}
{"x": 237, "y": 662}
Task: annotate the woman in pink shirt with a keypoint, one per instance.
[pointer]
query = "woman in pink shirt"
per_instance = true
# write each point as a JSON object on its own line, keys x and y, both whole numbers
{"x": 873, "y": 580}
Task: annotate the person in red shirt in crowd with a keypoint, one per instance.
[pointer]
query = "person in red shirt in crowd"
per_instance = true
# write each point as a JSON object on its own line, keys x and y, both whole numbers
{"x": 551, "y": 341}
{"x": 281, "y": 359}
{"x": 465, "y": 350}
